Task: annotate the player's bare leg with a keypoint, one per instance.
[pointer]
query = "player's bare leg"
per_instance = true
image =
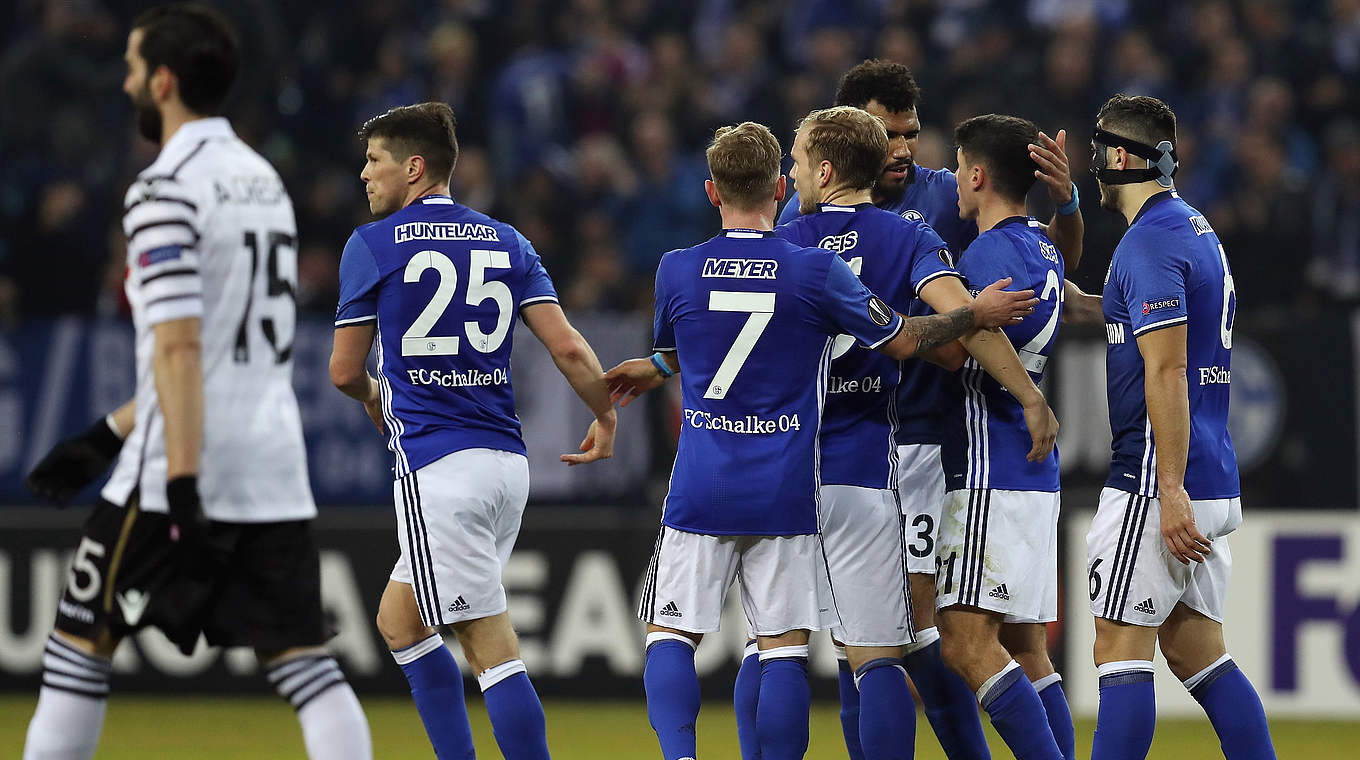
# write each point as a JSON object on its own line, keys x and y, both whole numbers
{"x": 971, "y": 646}
{"x": 1194, "y": 648}
{"x": 1028, "y": 644}
{"x": 74, "y": 695}
{"x": 922, "y": 600}
{"x": 1123, "y": 657}
{"x": 436, "y": 683}
{"x": 516, "y": 714}
{"x": 399, "y": 617}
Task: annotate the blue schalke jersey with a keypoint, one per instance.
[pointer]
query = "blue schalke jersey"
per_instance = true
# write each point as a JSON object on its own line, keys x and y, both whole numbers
{"x": 753, "y": 319}
{"x": 894, "y": 257}
{"x": 985, "y": 437}
{"x": 932, "y": 196}
{"x": 1170, "y": 269}
{"x": 444, "y": 284}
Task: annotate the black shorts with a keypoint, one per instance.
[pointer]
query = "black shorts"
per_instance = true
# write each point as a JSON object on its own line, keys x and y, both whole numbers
{"x": 253, "y": 584}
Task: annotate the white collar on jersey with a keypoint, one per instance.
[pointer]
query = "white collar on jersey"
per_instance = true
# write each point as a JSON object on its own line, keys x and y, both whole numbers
{"x": 837, "y": 207}
{"x": 191, "y": 132}
{"x": 436, "y": 200}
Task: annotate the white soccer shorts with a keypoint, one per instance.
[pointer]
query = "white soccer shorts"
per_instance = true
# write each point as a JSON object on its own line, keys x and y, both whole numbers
{"x": 920, "y": 488}
{"x": 862, "y": 532}
{"x": 999, "y": 552}
{"x": 457, "y": 520}
{"x": 784, "y": 582}
{"x": 1132, "y": 576}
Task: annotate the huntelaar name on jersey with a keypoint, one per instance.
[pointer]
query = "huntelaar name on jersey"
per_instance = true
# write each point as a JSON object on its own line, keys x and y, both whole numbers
{"x": 444, "y": 284}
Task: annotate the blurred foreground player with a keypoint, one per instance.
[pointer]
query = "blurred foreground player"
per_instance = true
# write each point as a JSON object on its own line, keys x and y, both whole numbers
{"x": 440, "y": 285}
{"x": 1157, "y": 553}
{"x": 752, "y": 321}
{"x": 211, "y": 273}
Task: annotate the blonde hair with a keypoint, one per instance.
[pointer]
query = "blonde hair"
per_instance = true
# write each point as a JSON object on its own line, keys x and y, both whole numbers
{"x": 744, "y": 163}
{"x": 852, "y": 139}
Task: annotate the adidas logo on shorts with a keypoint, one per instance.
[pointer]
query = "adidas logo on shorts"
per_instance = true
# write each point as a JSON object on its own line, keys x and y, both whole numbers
{"x": 1145, "y": 607}
{"x": 459, "y": 605}
{"x": 1001, "y": 593}
{"x": 670, "y": 610}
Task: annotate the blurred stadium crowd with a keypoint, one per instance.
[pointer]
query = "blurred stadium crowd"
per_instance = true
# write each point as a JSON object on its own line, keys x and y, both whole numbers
{"x": 583, "y": 122}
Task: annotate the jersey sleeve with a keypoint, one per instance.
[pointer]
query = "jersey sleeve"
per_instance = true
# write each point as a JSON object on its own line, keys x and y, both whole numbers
{"x": 160, "y": 220}
{"x": 1152, "y": 276}
{"x": 663, "y": 327}
{"x": 358, "y": 284}
{"x": 538, "y": 286}
{"x": 931, "y": 259}
{"x": 853, "y": 309}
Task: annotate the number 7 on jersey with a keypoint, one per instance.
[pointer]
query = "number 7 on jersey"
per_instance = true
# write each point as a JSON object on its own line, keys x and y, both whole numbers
{"x": 761, "y": 308}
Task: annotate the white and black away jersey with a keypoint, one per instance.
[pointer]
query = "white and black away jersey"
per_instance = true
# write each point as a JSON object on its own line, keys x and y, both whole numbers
{"x": 210, "y": 234}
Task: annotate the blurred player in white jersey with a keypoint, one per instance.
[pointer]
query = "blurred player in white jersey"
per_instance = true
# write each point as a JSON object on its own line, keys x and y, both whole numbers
{"x": 204, "y": 526}
{"x": 1157, "y": 554}
{"x": 440, "y": 287}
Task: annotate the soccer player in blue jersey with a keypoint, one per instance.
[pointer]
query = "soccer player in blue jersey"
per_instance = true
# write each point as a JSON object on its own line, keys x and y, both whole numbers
{"x": 998, "y": 561}
{"x": 837, "y": 156}
{"x": 888, "y": 90}
{"x": 1157, "y": 554}
{"x": 440, "y": 286}
{"x": 752, "y": 320}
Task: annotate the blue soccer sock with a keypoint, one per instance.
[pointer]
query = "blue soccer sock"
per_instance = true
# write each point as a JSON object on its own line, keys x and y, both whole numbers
{"x": 886, "y": 729}
{"x": 672, "y": 693}
{"x": 1059, "y": 714}
{"x": 516, "y": 713}
{"x": 1234, "y": 708}
{"x": 745, "y": 697}
{"x": 437, "y": 688}
{"x": 785, "y": 703}
{"x": 950, "y": 706}
{"x": 1128, "y": 711}
{"x": 1018, "y": 715}
{"x": 849, "y": 705}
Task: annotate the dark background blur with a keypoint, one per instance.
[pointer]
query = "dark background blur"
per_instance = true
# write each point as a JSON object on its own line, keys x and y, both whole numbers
{"x": 583, "y": 123}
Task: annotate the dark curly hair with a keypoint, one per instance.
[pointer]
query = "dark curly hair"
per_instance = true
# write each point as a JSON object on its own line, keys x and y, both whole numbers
{"x": 888, "y": 82}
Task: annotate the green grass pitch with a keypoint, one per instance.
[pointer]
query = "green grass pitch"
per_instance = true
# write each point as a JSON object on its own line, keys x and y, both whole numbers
{"x": 263, "y": 728}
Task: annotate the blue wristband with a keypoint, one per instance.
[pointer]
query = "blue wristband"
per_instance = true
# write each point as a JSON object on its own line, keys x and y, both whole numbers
{"x": 659, "y": 362}
{"x": 1069, "y": 208}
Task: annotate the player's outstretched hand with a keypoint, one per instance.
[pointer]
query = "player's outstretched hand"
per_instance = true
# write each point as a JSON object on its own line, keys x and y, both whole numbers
{"x": 997, "y": 307}
{"x": 1053, "y": 171}
{"x": 1043, "y": 430}
{"x": 631, "y": 379}
{"x": 74, "y": 463}
{"x": 598, "y": 443}
{"x": 1182, "y": 538}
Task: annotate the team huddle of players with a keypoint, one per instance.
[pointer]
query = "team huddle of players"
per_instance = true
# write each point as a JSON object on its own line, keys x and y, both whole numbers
{"x": 864, "y": 447}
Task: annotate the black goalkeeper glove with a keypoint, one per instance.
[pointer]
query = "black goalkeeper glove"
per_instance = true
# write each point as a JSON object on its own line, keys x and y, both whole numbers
{"x": 74, "y": 463}
{"x": 188, "y": 528}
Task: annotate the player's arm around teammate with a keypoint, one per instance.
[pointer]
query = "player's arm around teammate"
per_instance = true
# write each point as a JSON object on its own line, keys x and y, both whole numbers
{"x": 994, "y": 307}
